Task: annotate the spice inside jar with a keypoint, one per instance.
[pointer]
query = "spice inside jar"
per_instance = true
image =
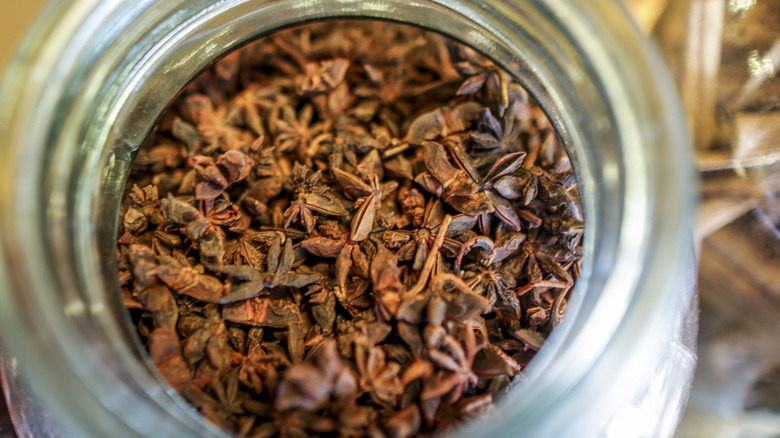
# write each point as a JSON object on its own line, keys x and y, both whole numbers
{"x": 351, "y": 227}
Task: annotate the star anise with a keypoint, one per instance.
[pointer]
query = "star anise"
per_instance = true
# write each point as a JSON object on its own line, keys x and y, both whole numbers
{"x": 254, "y": 282}
{"x": 482, "y": 73}
{"x": 386, "y": 280}
{"x": 210, "y": 239}
{"x": 246, "y": 107}
{"x": 495, "y": 283}
{"x": 207, "y": 344}
{"x": 488, "y": 276}
{"x": 310, "y": 196}
{"x": 383, "y": 91}
{"x": 412, "y": 204}
{"x": 378, "y": 375}
{"x": 528, "y": 184}
{"x": 454, "y": 355}
{"x": 165, "y": 353}
{"x": 294, "y": 131}
{"x": 229, "y": 168}
{"x": 212, "y": 125}
{"x": 348, "y": 254}
{"x": 267, "y": 181}
{"x": 568, "y": 231}
{"x": 498, "y": 137}
{"x": 144, "y": 209}
{"x": 542, "y": 265}
{"x": 224, "y": 214}
{"x": 246, "y": 251}
{"x": 164, "y": 240}
{"x": 322, "y": 76}
{"x": 222, "y": 404}
{"x": 415, "y": 244}
{"x": 368, "y": 196}
{"x": 506, "y": 165}
{"x": 179, "y": 212}
{"x": 310, "y": 386}
{"x": 256, "y": 360}
{"x": 178, "y": 274}
{"x": 453, "y": 185}
{"x": 187, "y": 134}
{"x": 442, "y": 122}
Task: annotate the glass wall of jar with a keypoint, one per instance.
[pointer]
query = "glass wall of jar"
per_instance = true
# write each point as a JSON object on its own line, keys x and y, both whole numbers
{"x": 93, "y": 76}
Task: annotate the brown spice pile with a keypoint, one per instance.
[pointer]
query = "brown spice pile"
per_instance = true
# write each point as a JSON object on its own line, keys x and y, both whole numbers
{"x": 351, "y": 228}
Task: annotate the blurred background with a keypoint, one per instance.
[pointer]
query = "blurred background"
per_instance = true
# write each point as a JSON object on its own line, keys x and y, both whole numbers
{"x": 14, "y": 18}
{"x": 724, "y": 56}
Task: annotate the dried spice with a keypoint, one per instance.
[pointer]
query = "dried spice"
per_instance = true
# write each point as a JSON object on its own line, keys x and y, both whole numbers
{"x": 325, "y": 238}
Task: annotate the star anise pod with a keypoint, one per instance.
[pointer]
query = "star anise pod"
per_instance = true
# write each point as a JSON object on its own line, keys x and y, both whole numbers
{"x": 568, "y": 231}
{"x": 386, "y": 280}
{"x": 495, "y": 283}
{"x": 294, "y": 131}
{"x": 182, "y": 213}
{"x": 528, "y": 184}
{"x": 246, "y": 107}
{"x": 347, "y": 252}
{"x": 143, "y": 210}
{"x": 378, "y": 375}
{"x": 254, "y": 283}
{"x": 386, "y": 87}
{"x": 246, "y": 251}
{"x": 542, "y": 265}
{"x": 225, "y": 214}
{"x": 412, "y": 204}
{"x": 415, "y": 244}
{"x": 482, "y": 73}
{"x": 322, "y": 76}
{"x": 208, "y": 342}
{"x": 323, "y": 379}
{"x": 165, "y": 353}
{"x": 488, "y": 276}
{"x": 229, "y": 168}
{"x": 506, "y": 165}
{"x": 178, "y": 274}
{"x": 442, "y": 122}
{"x": 497, "y": 137}
{"x": 453, "y": 185}
{"x": 164, "y": 240}
{"x": 368, "y": 196}
{"x": 267, "y": 181}
{"x": 310, "y": 196}
{"x": 221, "y": 402}
{"x": 454, "y": 356}
{"x": 213, "y": 126}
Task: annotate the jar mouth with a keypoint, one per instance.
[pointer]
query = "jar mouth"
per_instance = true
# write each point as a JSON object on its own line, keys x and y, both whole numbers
{"x": 98, "y": 98}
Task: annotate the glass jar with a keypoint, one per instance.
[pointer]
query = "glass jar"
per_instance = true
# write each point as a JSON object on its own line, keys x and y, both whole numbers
{"x": 93, "y": 76}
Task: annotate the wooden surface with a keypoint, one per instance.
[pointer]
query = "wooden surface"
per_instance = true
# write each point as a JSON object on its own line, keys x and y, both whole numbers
{"x": 15, "y": 17}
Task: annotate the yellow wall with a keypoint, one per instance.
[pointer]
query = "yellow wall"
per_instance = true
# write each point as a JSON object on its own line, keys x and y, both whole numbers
{"x": 15, "y": 16}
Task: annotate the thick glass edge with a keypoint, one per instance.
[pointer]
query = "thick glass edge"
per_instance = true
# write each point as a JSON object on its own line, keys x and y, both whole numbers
{"x": 554, "y": 2}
